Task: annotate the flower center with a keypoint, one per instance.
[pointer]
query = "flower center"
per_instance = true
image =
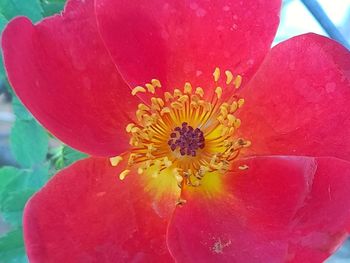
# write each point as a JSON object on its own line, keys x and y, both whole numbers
{"x": 187, "y": 139}
{"x": 186, "y": 133}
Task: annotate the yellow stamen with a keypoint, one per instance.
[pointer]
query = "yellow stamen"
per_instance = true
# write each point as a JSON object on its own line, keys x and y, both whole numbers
{"x": 167, "y": 162}
{"x": 132, "y": 158}
{"x": 160, "y": 102}
{"x": 176, "y": 105}
{"x": 218, "y": 92}
{"x": 188, "y": 88}
{"x": 177, "y": 93}
{"x": 167, "y": 96}
{"x": 240, "y": 103}
{"x": 129, "y": 127}
{"x": 216, "y": 74}
{"x": 237, "y": 123}
{"x": 243, "y": 167}
{"x": 137, "y": 89}
{"x": 179, "y": 179}
{"x": 229, "y": 77}
{"x": 143, "y": 107}
{"x": 247, "y": 144}
{"x": 159, "y": 145}
{"x": 180, "y": 202}
{"x": 200, "y": 92}
{"x": 115, "y": 160}
{"x": 234, "y": 107}
{"x": 165, "y": 110}
{"x": 183, "y": 98}
{"x": 238, "y": 81}
{"x": 150, "y": 88}
{"x": 231, "y": 119}
{"x": 156, "y": 83}
{"x": 223, "y": 111}
{"x": 123, "y": 174}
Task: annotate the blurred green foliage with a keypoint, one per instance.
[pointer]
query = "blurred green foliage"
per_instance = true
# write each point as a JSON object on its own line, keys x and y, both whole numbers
{"x": 36, "y": 160}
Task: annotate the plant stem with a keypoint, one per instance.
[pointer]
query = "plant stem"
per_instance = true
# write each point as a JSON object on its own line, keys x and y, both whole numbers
{"x": 317, "y": 11}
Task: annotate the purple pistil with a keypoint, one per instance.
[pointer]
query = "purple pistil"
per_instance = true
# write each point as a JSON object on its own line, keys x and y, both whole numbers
{"x": 188, "y": 140}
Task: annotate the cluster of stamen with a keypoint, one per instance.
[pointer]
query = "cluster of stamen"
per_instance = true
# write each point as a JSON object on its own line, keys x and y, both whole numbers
{"x": 185, "y": 131}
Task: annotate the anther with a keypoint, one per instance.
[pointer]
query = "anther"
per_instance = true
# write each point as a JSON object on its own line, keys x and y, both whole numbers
{"x": 247, "y": 144}
{"x": 229, "y": 77}
{"x": 234, "y": 107}
{"x": 129, "y": 127}
{"x": 123, "y": 174}
{"x": 240, "y": 103}
{"x": 180, "y": 202}
{"x": 218, "y": 92}
{"x": 200, "y": 92}
{"x": 216, "y": 74}
{"x": 183, "y": 98}
{"x": 223, "y": 111}
{"x": 143, "y": 107}
{"x": 243, "y": 167}
{"x": 167, "y": 163}
{"x": 167, "y": 96}
{"x": 150, "y": 88}
{"x": 137, "y": 89}
{"x": 132, "y": 158}
{"x": 237, "y": 123}
{"x": 160, "y": 102}
{"x": 164, "y": 110}
{"x": 231, "y": 119}
{"x": 238, "y": 81}
{"x": 188, "y": 88}
{"x": 176, "y": 105}
{"x": 177, "y": 93}
{"x": 115, "y": 160}
{"x": 156, "y": 83}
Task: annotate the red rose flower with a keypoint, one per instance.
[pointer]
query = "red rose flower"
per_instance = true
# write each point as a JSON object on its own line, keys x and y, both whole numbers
{"x": 246, "y": 164}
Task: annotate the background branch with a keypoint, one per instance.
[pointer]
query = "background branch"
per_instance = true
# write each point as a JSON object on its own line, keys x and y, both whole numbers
{"x": 320, "y": 15}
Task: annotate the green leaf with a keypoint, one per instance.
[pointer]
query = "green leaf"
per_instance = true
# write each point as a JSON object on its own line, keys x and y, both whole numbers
{"x": 13, "y": 218}
{"x": 52, "y": 7}
{"x": 29, "y": 143}
{"x": 12, "y": 205}
{"x": 11, "y": 178}
{"x": 37, "y": 177}
{"x": 16, "y": 187}
{"x": 15, "y": 201}
{"x": 70, "y": 155}
{"x": 12, "y": 240}
{"x": 3, "y": 22}
{"x": 29, "y": 8}
{"x": 20, "y": 111}
{"x": 14, "y": 179}
{"x": 12, "y": 247}
{"x": 63, "y": 156}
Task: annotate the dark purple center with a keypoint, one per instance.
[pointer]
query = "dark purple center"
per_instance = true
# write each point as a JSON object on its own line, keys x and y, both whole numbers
{"x": 189, "y": 140}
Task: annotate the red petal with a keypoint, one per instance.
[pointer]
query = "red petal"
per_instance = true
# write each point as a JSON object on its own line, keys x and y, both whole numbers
{"x": 323, "y": 222}
{"x": 86, "y": 214}
{"x": 298, "y": 103}
{"x": 282, "y": 209}
{"x": 180, "y": 41}
{"x": 61, "y": 71}
{"x": 249, "y": 222}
